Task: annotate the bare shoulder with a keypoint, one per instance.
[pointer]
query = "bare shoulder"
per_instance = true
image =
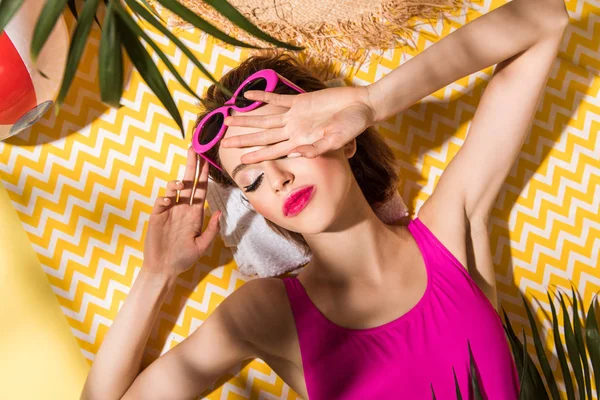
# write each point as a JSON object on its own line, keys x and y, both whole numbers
{"x": 447, "y": 220}
{"x": 264, "y": 315}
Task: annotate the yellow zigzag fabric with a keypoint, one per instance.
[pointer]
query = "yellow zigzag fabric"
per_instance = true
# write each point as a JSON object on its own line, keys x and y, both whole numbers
{"x": 83, "y": 184}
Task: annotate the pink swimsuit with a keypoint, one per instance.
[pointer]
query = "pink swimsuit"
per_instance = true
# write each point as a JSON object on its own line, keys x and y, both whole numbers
{"x": 405, "y": 358}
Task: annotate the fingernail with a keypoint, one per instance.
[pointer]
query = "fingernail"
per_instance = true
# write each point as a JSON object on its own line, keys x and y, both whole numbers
{"x": 293, "y": 155}
{"x": 166, "y": 199}
{"x": 178, "y": 183}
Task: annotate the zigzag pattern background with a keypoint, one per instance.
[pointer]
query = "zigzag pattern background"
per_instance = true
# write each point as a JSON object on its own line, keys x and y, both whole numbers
{"x": 84, "y": 182}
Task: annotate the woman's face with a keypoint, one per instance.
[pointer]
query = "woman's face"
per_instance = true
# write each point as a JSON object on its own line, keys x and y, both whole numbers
{"x": 266, "y": 184}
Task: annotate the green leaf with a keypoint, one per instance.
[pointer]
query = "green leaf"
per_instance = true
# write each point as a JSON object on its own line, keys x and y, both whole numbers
{"x": 137, "y": 8}
{"x": 73, "y": 8}
{"x": 8, "y": 8}
{"x": 110, "y": 68}
{"x": 139, "y": 32}
{"x": 572, "y": 350}
{"x": 42, "y": 74}
{"x": 432, "y": 392}
{"x": 515, "y": 344}
{"x": 149, "y": 72}
{"x": 534, "y": 384}
{"x": 458, "y": 394}
{"x": 473, "y": 373}
{"x": 232, "y": 14}
{"x": 580, "y": 343}
{"x": 80, "y": 35}
{"x": 592, "y": 339}
{"x": 541, "y": 354}
{"x": 525, "y": 384}
{"x": 152, "y": 10}
{"x": 564, "y": 366}
{"x": 49, "y": 15}
{"x": 201, "y": 24}
{"x": 98, "y": 22}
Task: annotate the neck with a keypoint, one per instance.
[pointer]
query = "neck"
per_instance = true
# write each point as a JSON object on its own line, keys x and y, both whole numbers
{"x": 357, "y": 249}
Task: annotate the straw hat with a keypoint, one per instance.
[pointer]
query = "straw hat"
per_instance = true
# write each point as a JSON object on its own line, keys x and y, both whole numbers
{"x": 346, "y": 30}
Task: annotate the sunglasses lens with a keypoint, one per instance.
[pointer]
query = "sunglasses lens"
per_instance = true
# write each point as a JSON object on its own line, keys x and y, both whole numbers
{"x": 255, "y": 84}
{"x": 211, "y": 128}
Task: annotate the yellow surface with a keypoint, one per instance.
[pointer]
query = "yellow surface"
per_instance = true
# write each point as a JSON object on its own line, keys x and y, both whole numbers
{"x": 39, "y": 357}
{"x": 84, "y": 182}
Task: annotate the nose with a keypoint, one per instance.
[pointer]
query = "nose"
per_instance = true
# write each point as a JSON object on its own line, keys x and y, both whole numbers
{"x": 279, "y": 176}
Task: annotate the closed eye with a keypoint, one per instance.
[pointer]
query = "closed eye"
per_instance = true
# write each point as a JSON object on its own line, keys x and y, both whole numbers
{"x": 254, "y": 185}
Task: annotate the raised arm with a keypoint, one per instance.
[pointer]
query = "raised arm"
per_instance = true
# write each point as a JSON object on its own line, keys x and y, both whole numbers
{"x": 490, "y": 39}
{"x": 174, "y": 242}
{"x": 523, "y": 37}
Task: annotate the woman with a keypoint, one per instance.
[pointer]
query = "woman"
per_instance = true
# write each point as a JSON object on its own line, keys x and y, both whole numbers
{"x": 380, "y": 311}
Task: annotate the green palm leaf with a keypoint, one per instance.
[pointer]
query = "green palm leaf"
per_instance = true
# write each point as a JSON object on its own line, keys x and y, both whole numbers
{"x": 531, "y": 380}
{"x": 200, "y": 23}
{"x": 139, "y": 32}
{"x": 73, "y": 8}
{"x": 560, "y": 352}
{"x": 138, "y": 9}
{"x": 110, "y": 68}
{"x": 8, "y": 8}
{"x": 78, "y": 41}
{"x": 49, "y": 15}
{"x": 581, "y": 344}
{"x": 458, "y": 394}
{"x": 148, "y": 70}
{"x": 152, "y": 10}
{"x": 541, "y": 353}
{"x": 592, "y": 339}
{"x": 474, "y": 380}
{"x": 525, "y": 392}
{"x": 232, "y": 14}
{"x": 572, "y": 350}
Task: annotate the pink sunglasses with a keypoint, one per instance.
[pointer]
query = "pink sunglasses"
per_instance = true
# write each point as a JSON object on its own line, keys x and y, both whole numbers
{"x": 212, "y": 127}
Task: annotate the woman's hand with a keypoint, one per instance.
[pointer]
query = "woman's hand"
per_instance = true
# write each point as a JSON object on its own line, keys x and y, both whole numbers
{"x": 175, "y": 241}
{"x": 315, "y": 123}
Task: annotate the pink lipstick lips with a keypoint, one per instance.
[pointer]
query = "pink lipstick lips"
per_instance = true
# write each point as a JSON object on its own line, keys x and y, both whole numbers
{"x": 297, "y": 200}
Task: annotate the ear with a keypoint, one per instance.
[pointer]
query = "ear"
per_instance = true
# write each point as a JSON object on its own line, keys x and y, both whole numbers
{"x": 350, "y": 148}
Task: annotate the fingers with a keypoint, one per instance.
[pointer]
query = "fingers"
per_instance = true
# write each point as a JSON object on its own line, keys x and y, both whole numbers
{"x": 190, "y": 174}
{"x": 315, "y": 149}
{"x": 268, "y": 153}
{"x": 205, "y": 239}
{"x": 260, "y": 138}
{"x": 199, "y": 193}
{"x": 257, "y": 121}
{"x": 172, "y": 188}
{"x": 162, "y": 204}
{"x": 282, "y": 100}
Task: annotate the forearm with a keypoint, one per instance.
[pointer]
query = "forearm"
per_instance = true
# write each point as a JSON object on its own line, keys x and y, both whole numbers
{"x": 119, "y": 358}
{"x": 488, "y": 40}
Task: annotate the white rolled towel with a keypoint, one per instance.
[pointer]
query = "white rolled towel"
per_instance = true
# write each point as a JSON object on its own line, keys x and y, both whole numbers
{"x": 256, "y": 248}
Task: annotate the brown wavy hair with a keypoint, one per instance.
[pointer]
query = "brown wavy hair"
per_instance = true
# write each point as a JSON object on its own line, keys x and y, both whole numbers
{"x": 373, "y": 165}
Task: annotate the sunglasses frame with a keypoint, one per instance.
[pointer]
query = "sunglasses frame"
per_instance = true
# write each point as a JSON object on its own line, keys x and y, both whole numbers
{"x": 272, "y": 78}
